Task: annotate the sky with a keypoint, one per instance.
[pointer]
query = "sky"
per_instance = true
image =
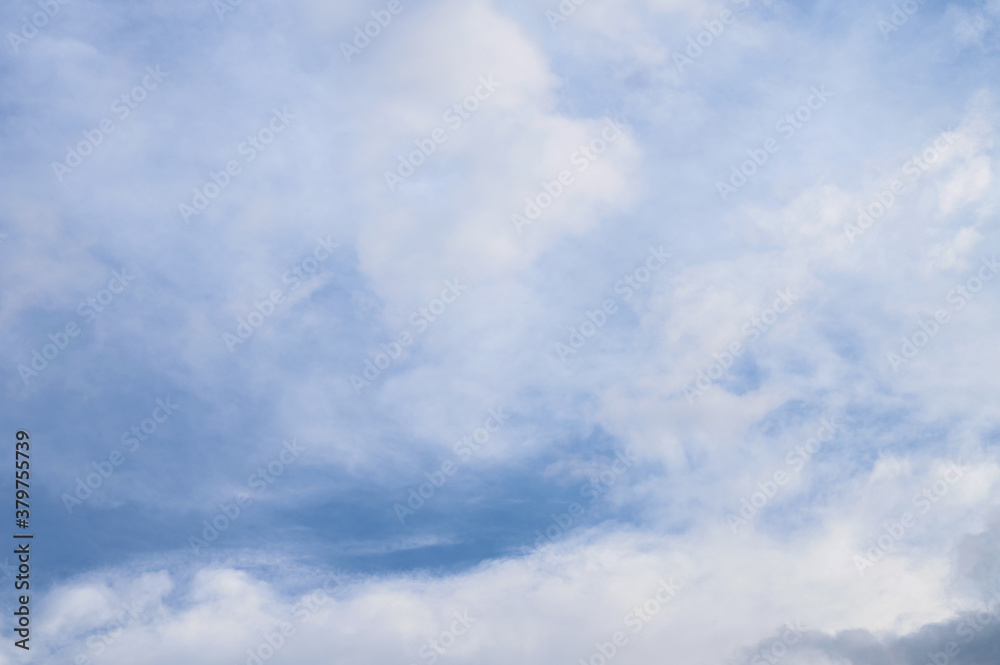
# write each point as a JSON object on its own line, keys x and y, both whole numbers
{"x": 490, "y": 331}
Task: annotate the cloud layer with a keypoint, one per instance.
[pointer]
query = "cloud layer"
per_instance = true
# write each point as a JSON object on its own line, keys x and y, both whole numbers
{"x": 484, "y": 330}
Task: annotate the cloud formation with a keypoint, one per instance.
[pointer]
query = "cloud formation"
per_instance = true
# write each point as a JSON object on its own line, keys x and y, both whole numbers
{"x": 610, "y": 298}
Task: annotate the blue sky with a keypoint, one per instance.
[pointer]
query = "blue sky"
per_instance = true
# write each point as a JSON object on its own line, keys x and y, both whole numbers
{"x": 541, "y": 367}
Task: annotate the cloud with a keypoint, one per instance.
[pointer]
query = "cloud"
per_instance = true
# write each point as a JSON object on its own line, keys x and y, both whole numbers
{"x": 492, "y": 193}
